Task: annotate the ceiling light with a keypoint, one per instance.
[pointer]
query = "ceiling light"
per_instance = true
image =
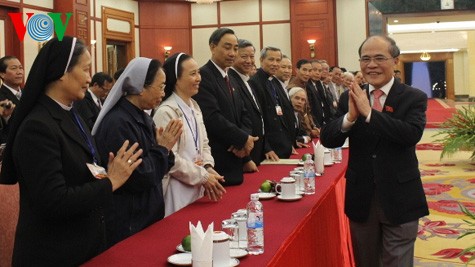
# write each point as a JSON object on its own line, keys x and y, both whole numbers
{"x": 425, "y": 56}
{"x": 430, "y": 51}
{"x": 429, "y": 27}
{"x": 203, "y": 1}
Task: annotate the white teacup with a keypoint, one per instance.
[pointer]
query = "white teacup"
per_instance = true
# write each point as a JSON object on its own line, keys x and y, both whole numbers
{"x": 327, "y": 157}
{"x": 286, "y": 187}
{"x": 221, "y": 256}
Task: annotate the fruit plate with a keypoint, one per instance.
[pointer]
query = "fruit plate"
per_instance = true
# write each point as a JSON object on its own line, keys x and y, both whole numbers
{"x": 237, "y": 253}
{"x": 294, "y": 198}
{"x": 266, "y": 195}
{"x": 180, "y": 259}
{"x": 180, "y": 248}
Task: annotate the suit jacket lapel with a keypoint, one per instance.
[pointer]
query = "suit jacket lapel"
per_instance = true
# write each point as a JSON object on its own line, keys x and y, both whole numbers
{"x": 392, "y": 99}
{"x": 9, "y": 95}
{"x": 248, "y": 95}
{"x": 94, "y": 104}
{"x": 65, "y": 122}
{"x": 224, "y": 88}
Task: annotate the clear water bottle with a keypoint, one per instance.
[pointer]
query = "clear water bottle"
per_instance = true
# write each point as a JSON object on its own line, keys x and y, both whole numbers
{"x": 309, "y": 176}
{"x": 255, "y": 226}
{"x": 336, "y": 155}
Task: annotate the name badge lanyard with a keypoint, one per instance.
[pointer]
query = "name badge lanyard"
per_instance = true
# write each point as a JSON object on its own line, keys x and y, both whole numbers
{"x": 85, "y": 136}
{"x": 278, "y": 108}
{"x": 195, "y": 133}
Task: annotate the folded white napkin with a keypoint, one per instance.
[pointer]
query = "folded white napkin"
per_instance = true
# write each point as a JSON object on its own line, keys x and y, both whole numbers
{"x": 319, "y": 152}
{"x": 201, "y": 245}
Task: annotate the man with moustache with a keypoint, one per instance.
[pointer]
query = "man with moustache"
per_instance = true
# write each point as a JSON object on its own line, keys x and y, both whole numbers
{"x": 240, "y": 71}
{"x": 279, "y": 119}
{"x": 225, "y": 116}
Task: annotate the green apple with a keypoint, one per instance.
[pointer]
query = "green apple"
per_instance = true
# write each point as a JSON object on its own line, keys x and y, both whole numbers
{"x": 305, "y": 156}
{"x": 266, "y": 186}
{"x": 186, "y": 243}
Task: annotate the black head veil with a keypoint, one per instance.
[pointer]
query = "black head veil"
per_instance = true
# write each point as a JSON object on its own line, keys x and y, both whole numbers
{"x": 50, "y": 64}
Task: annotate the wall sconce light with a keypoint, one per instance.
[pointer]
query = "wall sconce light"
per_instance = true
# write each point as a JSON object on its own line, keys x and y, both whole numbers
{"x": 311, "y": 43}
{"x": 167, "y": 51}
{"x": 425, "y": 56}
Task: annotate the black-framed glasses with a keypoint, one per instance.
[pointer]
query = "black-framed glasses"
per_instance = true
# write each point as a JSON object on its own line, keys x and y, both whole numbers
{"x": 376, "y": 59}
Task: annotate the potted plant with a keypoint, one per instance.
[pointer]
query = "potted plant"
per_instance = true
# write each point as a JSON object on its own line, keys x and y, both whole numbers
{"x": 468, "y": 232}
{"x": 458, "y": 132}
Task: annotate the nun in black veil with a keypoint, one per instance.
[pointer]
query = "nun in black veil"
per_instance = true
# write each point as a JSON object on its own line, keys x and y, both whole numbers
{"x": 52, "y": 156}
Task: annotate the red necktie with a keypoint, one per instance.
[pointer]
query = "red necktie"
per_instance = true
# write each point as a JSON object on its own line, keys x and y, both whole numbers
{"x": 376, "y": 102}
{"x": 228, "y": 83}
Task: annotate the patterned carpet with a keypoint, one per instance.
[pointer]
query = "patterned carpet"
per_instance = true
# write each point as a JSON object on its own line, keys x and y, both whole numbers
{"x": 446, "y": 182}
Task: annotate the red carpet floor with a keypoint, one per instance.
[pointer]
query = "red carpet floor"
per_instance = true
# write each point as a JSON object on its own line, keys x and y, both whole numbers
{"x": 437, "y": 112}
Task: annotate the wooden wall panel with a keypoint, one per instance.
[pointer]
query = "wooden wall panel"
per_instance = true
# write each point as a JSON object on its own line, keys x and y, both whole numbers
{"x": 78, "y": 24}
{"x": 152, "y": 42}
{"x": 314, "y": 19}
{"x": 164, "y": 24}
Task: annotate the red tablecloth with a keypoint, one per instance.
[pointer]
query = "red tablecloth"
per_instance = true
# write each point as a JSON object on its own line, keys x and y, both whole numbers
{"x": 310, "y": 232}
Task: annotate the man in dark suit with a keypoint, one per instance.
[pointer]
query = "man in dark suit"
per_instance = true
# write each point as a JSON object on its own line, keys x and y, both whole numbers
{"x": 11, "y": 73}
{"x": 315, "y": 93}
{"x": 90, "y": 106}
{"x": 278, "y": 113}
{"x": 225, "y": 116}
{"x": 384, "y": 196}
{"x": 242, "y": 66}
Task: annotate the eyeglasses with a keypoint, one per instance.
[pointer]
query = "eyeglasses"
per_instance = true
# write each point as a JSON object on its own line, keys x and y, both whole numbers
{"x": 161, "y": 87}
{"x": 377, "y": 59}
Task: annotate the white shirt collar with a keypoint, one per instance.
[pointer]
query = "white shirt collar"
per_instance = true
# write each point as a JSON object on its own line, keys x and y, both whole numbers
{"x": 14, "y": 92}
{"x": 244, "y": 77}
{"x": 63, "y": 106}
{"x": 94, "y": 97}
{"x": 385, "y": 88}
{"x": 284, "y": 84}
{"x": 223, "y": 72}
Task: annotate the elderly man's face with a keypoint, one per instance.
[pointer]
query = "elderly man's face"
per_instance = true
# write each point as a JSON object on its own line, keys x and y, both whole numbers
{"x": 13, "y": 75}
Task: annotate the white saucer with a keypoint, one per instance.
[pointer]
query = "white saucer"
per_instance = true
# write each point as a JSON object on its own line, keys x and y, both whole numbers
{"x": 328, "y": 164}
{"x": 233, "y": 262}
{"x": 294, "y": 198}
{"x": 180, "y": 248}
{"x": 237, "y": 253}
{"x": 180, "y": 259}
{"x": 265, "y": 195}
{"x": 184, "y": 259}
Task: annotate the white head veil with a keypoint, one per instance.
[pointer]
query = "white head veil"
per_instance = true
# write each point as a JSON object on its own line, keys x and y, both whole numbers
{"x": 130, "y": 82}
